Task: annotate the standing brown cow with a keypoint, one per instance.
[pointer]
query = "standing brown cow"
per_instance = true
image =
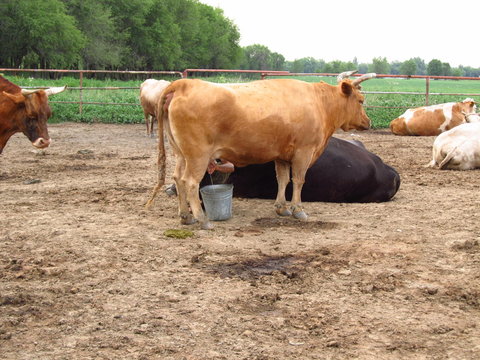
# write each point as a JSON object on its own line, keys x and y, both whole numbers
{"x": 283, "y": 120}
{"x": 25, "y": 111}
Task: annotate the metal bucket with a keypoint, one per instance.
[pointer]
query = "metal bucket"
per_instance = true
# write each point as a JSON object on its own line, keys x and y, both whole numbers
{"x": 217, "y": 200}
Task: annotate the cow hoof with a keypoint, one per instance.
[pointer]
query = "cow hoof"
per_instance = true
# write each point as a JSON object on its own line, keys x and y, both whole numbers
{"x": 283, "y": 212}
{"x": 207, "y": 225}
{"x": 300, "y": 215}
{"x": 188, "y": 220}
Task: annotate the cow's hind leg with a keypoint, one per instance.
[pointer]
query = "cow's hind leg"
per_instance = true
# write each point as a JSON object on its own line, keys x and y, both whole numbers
{"x": 147, "y": 122}
{"x": 282, "y": 169}
{"x": 152, "y": 123}
{"x": 192, "y": 176}
{"x": 186, "y": 217}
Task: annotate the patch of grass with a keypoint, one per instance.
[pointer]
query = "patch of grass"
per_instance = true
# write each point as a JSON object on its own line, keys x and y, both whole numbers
{"x": 381, "y": 108}
{"x": 178, "y": 234}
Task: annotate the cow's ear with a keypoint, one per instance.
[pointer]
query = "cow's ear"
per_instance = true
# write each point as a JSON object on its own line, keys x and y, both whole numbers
{"x": 347, "y": 88}
{"x": 16, "y": 98}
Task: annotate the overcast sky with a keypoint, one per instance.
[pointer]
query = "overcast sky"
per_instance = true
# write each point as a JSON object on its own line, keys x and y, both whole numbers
{"x": 345, "y": 29}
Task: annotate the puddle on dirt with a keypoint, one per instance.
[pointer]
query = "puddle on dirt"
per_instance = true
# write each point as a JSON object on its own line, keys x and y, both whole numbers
{"x": 293, "y": 223}
{"x": 255, "y": 268}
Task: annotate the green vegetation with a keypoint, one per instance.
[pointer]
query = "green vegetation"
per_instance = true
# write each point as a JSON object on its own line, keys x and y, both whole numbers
{"x": 157, "y": 35}
{"x": 116, "y": 34}
{"x": 381, "y": 108}
{"x": 178, "y": 233}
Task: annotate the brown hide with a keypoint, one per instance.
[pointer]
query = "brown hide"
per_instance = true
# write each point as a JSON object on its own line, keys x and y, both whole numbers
{"x": 27, "y": 114}
{"x": 432, "y": 120}
{"x": 287, "y": 121}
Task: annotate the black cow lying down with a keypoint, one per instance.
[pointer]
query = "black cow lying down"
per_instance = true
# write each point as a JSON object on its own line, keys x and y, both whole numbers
{"x": 345, "y": 172}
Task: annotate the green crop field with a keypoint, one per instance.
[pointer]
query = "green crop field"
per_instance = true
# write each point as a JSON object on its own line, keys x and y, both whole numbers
{"x": 381, "y": 108}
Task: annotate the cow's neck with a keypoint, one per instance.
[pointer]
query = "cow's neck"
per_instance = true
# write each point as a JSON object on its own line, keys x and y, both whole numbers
{"x": 332, "y": 106}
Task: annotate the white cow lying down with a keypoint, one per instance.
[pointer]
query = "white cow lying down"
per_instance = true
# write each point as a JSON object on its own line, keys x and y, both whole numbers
{"x": 458, "y": 148}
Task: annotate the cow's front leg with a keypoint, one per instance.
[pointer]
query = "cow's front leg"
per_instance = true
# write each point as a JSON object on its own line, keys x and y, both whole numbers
{"x": 282, "y": 170}
{"x": 296, "y": 206}
{"x": 194, "y": 200}
{"x": 299, "y": 168}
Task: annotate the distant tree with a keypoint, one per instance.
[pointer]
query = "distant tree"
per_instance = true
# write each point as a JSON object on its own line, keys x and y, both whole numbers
{"x": 257, "y": 57}
{"x": 297, "y": 66}
{"x": 306, "y": 65}
{"x": 277, "y": 61}
{"x": 129, "y": 17}
{"x": 421, "y": 67}
{"x": 338, "y": 66}
{"x": 187, "y": 18}
{"x": 446, "y": 69}
{"x": 161, "y": 48}
{"x": 309, "y": 65}
{"x": 380, "y": 66}
{"x": 395, "y": 67}
{"x": 218, "y": 39}
{"x": 469, "y": 71}
{"x": 408, "y": 67}
{"x": 363, "y": 68}
{"x": 102, "y": 48}
{"x": 458, "y": 72}
{"x": 39, "y": 34}
{"x": 435, "y": 68}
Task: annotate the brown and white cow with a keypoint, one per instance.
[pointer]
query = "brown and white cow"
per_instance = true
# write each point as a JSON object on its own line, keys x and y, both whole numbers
{"x": 458, "y": 148}
{"x": 150, "y": 92}
{"x": 25, "y": 111}
{"x": 434, "y": 119}
{"x": 282, "y": 120}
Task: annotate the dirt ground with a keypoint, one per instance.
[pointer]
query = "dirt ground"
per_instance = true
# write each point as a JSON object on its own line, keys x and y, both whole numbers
{"x": 86, "y": 272}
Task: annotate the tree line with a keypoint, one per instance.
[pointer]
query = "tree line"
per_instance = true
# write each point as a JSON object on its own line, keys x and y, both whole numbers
{"x": 156, "y": 35}
{"x": 116, "y": 35}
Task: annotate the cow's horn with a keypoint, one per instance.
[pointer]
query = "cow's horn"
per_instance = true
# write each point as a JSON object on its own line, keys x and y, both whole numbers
{"x": 357, "y": 81}
{"x": 26, "y": 92}
{"x": 55, "y": 90}
{"x": 345, "y": 75}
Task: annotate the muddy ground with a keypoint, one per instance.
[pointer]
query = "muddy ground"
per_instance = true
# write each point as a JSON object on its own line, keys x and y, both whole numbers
{"x": 87, "y": 273}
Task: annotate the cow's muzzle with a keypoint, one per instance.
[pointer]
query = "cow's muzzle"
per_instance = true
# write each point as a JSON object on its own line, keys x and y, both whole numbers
{"x": 41, "y": 143}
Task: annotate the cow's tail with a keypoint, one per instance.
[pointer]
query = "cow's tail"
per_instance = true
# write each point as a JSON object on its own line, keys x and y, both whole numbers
{"x": 447, "y": 158}
{"x": 162, "y": 116}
